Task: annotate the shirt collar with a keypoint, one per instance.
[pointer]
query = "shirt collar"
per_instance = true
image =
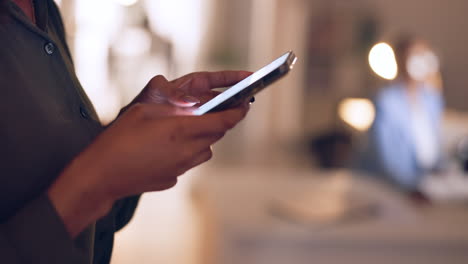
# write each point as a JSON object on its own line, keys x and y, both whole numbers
{"x": 40, "y": 10}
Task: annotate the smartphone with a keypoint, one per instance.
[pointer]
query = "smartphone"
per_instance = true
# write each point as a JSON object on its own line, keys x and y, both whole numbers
{"x": 250, "y": 86}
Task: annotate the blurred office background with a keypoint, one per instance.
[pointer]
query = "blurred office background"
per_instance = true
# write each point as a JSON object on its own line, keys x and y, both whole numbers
{"x": 280, "y": 188}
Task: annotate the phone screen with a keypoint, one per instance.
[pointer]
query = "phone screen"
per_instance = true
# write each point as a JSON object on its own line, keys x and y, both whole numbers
{"x": 256, "y": 76}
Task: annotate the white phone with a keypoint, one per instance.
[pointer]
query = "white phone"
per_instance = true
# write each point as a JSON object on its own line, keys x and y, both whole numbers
{"x": 251, "y": 85}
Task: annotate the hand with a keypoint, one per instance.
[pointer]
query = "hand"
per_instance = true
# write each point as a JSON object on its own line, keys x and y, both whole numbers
{"x": 145, "y": 150}
{"x": 190, "y": 89}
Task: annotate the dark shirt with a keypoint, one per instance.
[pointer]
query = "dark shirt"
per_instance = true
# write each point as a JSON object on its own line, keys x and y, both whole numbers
{"x": 46, "y": 120}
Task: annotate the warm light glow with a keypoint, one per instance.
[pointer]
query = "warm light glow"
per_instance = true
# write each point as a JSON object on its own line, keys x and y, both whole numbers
{"x": 358, "y": 113}
{"x": 126, "y": 2}
{"x": 96, "y": 24}
{"x": 133, "y": 42}
{"x": 382, "y": 61}
{"x": 184, "y": 24}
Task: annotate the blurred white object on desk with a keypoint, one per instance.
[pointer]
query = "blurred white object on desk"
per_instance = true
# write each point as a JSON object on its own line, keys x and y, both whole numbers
{"x": 317, "y": 222}
{"x": 449, "y": 187}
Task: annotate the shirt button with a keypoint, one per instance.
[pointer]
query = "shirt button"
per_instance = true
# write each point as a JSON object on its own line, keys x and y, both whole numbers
{"x": 49, "y": 48}
{"x": 84, "y": 113}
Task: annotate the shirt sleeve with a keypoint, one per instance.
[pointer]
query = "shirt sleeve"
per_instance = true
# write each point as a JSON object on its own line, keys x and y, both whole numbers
{"x": 124, "y": 210}
{"x": 36, "y": 234}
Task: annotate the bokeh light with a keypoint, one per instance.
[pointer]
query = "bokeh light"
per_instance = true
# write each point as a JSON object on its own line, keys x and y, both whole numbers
{"x": 382, "y": 61}
{"x": 126, "y": 2}
{"x": 359, "y": 113}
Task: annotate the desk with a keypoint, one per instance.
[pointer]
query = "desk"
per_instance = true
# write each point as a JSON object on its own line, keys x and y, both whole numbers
{"x": 242, "y": 223}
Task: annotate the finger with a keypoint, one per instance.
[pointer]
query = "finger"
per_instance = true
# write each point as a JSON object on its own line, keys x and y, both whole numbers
{"x": 167, "y": 110}
{"x": 161, "y": 87}
{"x": 214, "y": 123}
{"x": 200, "y": 158}
{"x": 153, "y": 111}
{"x": 173, "y": 93}
{"x": 205, "y": 141}
{"x": 161, "y": 84}
{"x": 179, "y": 97}
{"x": 181, "y": 100}
{"x": 206, "y": 97}
{"x": 226, "y": 78}
{"x": 161, "y": 185}
{"x": 220, "y": 79}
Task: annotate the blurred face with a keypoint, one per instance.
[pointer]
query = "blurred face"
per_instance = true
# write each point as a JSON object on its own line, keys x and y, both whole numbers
{"x": 421, "y": 62}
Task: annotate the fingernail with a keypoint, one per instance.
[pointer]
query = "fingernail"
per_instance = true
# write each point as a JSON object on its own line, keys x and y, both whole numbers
{"x": 190, "y": 99}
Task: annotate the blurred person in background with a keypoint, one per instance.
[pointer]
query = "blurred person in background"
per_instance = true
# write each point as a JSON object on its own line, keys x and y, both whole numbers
{"x": 67, "y": 183}
{"x": 405, "y": 136}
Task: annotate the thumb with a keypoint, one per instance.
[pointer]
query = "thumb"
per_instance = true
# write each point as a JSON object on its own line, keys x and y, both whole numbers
{"x": 155, "y": 111}
{"x": 177, "y": 96}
